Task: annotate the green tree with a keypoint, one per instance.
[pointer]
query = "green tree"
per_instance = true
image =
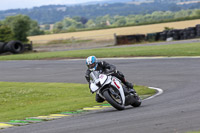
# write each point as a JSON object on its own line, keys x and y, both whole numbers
{"x": 100, "y": 23}
{"x": 58, "y": 27}
{"x": 197, "y": 12}
{"x": 20, "y": 26}
{"x": 34, "y": 29}
{"x": 83, "y": 20}
{"x": 6, "y": 34}
{"x": 68, "y": 24}
{"x": 119, "y": 21}
{"x": 90, "y": 24}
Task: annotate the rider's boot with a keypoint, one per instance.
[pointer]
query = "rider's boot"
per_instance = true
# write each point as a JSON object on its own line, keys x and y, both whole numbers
{"x": 128, "y": 85}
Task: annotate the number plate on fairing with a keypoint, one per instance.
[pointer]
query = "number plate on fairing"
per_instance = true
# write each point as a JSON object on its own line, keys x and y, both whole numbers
{"x": 102, "y": 78}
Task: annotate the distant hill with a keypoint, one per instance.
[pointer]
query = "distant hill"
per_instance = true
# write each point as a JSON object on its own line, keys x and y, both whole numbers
{"x": 54, "y": 13}
{"x": 108, "y": 2}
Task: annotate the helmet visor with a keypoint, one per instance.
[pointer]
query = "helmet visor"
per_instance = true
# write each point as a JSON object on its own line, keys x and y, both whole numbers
{"x": 91, "y": 65}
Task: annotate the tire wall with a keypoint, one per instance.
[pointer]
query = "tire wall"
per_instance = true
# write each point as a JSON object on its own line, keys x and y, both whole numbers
{"x": 130, "y": 39}
{"x": 2, "y": 47}
{"x": 15, "y": 47}
{"x": 175, "y": 34}
{"x": 178, "y": 34}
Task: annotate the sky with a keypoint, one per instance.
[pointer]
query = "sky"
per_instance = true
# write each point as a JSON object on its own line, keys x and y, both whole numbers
{"x": 14, "y": 4}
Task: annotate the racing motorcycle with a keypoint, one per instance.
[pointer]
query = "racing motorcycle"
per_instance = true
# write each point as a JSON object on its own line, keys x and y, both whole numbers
{"x": 112, "y": 90}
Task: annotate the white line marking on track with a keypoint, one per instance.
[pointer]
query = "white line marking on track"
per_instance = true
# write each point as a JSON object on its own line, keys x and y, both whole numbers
{"x": 160, "y": 91}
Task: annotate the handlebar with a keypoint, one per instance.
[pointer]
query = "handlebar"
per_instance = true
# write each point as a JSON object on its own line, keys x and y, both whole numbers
{"x": 110, "y": 73}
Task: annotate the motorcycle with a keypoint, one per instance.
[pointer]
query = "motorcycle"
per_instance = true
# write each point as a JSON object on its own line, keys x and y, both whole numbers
{"x": 112, "y": 90}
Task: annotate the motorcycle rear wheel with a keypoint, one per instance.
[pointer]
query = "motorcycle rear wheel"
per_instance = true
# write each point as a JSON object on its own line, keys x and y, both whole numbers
{"x": 137, "y": 102}
{"x": 110, "y": 99}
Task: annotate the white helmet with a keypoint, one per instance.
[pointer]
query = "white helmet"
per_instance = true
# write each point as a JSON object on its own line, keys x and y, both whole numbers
{"x": 91, "y": 63}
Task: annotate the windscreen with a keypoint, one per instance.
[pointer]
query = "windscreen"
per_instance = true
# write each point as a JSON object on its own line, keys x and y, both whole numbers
{"x": 94, "y": 76}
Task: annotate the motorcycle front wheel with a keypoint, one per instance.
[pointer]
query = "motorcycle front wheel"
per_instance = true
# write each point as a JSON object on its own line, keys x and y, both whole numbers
{"x": 114, "y": 100}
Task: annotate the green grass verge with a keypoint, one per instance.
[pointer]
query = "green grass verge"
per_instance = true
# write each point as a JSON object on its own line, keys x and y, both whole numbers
{"x": 19, "y": 100}
{"x": 191, "y": 49}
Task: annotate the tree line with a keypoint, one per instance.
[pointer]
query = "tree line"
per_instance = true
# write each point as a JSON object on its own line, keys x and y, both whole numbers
{"x": 53, "y": 13}
{"x": 80, "y": 23}
{"x": 20, "y": 26}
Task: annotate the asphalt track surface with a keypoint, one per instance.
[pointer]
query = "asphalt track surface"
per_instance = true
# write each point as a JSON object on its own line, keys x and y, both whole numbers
{"x": 177, "y": 110}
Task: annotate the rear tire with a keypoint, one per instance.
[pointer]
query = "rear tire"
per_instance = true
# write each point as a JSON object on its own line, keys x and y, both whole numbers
{"x": 137, "y": 102}
{"x": 113, "y": 102}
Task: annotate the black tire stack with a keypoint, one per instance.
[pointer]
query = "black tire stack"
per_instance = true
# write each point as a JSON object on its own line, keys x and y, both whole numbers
{"x": 153, "y": 36}
{"x": 177, "y": 34}
{"x": 182, "y": 37}
{"x": 198, "y": 30}
{"x": 15, "y": 47}
{"x": 129, "y": 39}
{"x": 163, "y": 35}
{"x": 191, "y": 32}
{"x": 2, "y": 45}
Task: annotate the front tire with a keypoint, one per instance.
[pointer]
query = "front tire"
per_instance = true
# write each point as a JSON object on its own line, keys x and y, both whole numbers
{"x": 109, "y": 98}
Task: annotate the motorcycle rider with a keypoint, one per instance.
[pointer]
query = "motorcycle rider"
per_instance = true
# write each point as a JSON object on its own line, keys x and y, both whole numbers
{"x": 104, "y": 67}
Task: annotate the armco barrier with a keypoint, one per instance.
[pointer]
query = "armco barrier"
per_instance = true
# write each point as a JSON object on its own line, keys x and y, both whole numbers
{"x": 14, "y": 47}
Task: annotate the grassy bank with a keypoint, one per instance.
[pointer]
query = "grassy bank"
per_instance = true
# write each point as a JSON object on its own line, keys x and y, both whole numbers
{"x": 20, "y": 100}
{"x": 191, "y": 49}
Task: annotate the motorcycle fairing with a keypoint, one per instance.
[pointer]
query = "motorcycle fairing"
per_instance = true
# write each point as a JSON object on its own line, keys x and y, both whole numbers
{"x": 117, "y": 84}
